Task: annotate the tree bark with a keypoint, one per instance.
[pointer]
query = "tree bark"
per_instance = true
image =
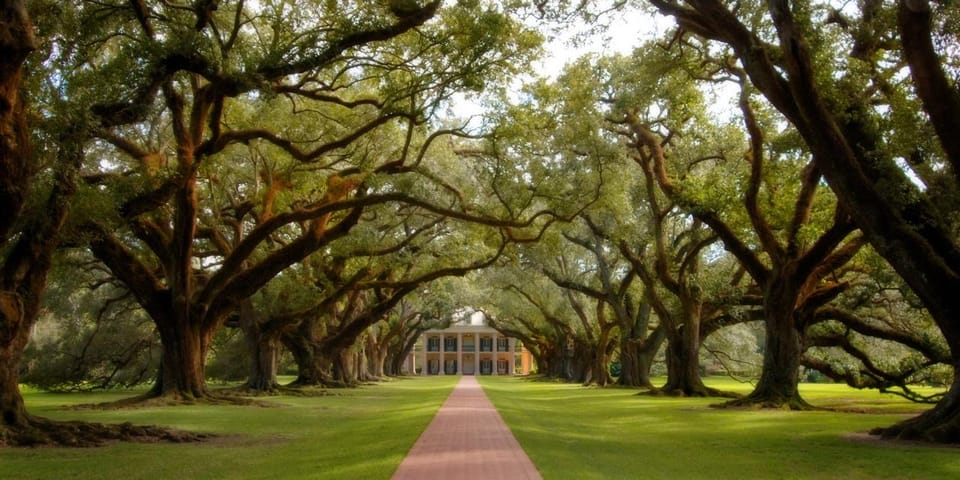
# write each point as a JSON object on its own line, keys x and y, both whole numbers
{"x": 683, "y": 368}
{"x": 638, "y": 349}
{"x": 683, "y": 353}
{"x": 16, "y": 43}
{"x": 305, "y": 356}
{"x": 16, "y": 171}
{"x": 13, "y": 413}
{"x": 182, "y": 362}
{"x": 343, "y": 373}
{"x": 376, "y": 355}
{"x": 397, "y": 357}
{"x": 635, "y": 361}
{"x": 263, "y": 348}
{"x": 28, "y": 251}
{"x": 783, "y": 349}
{"x": 940, "y": 424}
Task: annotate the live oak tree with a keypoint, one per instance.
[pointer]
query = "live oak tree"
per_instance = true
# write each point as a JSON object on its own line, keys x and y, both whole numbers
{"x": 621, "y": 285}
{"x": 560, "y": 320}
{"x": 791, "y": 236}
{"x": 830, "y": 73}
{"x": 399, "y": 251}
{"x": 633, "y": 220}
{"x": 547, "y": 327}
{"x": 360, "y": 293}
{"x": 345, "y": 74}
{"x": 520, "y": 303}
{"x": 26, "y": 241}
{"x": 388, "y": 341}
{"x": 594, "y": 329}
{"x": 35, "y": 191}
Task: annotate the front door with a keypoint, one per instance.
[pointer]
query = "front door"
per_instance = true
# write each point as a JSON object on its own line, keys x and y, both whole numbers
{"x": 468, "y": 365}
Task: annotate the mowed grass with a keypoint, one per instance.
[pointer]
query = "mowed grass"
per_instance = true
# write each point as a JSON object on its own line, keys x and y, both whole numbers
{"x": 359, "y": 433}
{"x": 572, "y": 432}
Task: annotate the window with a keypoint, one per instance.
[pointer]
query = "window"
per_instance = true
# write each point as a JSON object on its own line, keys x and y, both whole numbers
{"x": 503, "y": 367}
{"x": 486, "y": 344}
{"x": 450, "y": 367}
{"x": 486, "y": 367}
{"x": 502, "y": 344}
{"x": 450, "y": 344}
{"x": 433, "y": 344}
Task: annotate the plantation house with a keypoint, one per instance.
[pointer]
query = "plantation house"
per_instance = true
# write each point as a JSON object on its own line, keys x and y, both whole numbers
{"x": 468, "y": 347}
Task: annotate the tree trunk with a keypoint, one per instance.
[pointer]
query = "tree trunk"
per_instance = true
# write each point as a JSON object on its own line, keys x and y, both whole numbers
{"x": 941, "y": 424}
{"x": 376, "y": 357}
{"x": 683, "y": 370}
{"x": 632, "y": 372}
{"x": 342, "y": 374}
{"x": 783, "y": 348}
{"x": 398, "y": 357}
{"x": 263, "y": 348}
{"x": 638, "y": 349}
{"x": 361, "y": 365}
{"x": 305, "y": 356}
{"x": 13, "y": 414}
{"x": 683, "y": 356}
{"x": 182, "y": 367}
{"x": 16, "y": 171}
{"x": 580, "y": 364}
{"x": 601, "y": 362}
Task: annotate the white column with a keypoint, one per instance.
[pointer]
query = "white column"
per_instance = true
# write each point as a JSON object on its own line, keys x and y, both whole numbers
{"x": 426, "y": 355}
{"x": 512, "y": 359}
{"x": 459, "y": 354}
{"x": 496, "y": 354}
{"x": 476, "y": 354}
{"x": 443, "y": 353}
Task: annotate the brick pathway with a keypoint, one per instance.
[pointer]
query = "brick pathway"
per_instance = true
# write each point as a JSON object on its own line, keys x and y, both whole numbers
{"x": 466, "y": 440}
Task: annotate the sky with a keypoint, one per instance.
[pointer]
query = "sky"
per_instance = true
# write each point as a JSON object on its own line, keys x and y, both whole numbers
{"x": 627, "y": 29}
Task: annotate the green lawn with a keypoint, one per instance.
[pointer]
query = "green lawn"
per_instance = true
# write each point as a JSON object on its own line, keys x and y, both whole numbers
{"x": 356, "y": 434}
{"x": 571, "y": 432}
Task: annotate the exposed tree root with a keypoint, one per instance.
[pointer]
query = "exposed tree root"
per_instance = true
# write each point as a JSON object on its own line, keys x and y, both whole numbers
{"x": 773, "y": 402}
{"x": 704, "y": 392}
{"x": 927, "y": 427}
{"x": 283, "y": 390}
{"x": 41, "y": 432}
{"x": 221, "y": 397}
{"x": 940, "y": 424}
{"x": 869, "y": 439}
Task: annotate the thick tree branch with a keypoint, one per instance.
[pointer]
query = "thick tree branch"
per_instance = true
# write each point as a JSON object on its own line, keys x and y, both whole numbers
{"x": 940, "y": 96}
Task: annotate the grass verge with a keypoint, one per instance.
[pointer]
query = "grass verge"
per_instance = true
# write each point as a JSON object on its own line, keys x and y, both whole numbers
{"x": 571, "y": 432}
{"x": 360, "y": 433}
